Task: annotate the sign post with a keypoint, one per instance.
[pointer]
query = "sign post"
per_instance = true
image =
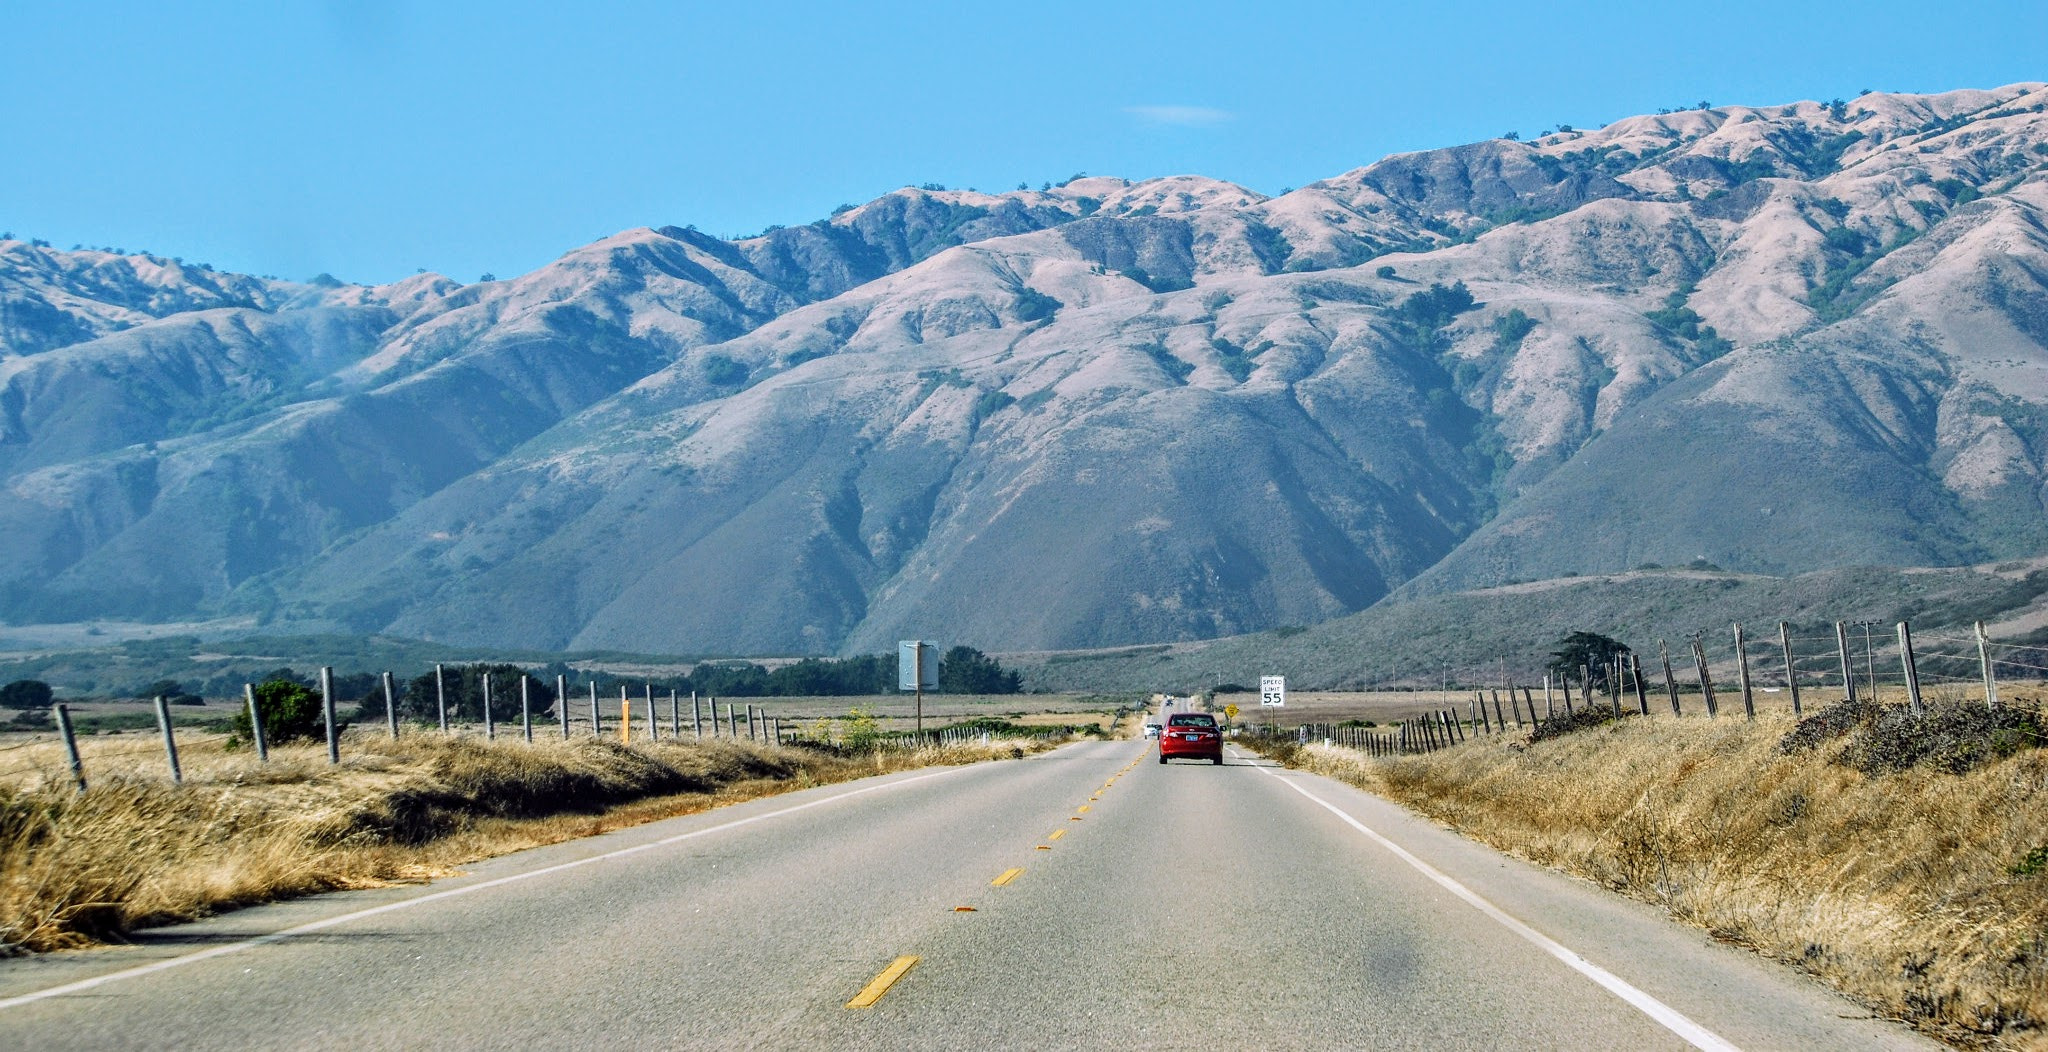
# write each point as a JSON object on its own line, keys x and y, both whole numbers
{"x": 1273, "y": 691}
{"x": 917, "y": 669}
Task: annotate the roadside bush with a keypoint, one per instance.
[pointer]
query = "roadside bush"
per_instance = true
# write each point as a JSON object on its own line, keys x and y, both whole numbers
{"x": 1561, "y": 725}
{"x": 1826, "y": 725}
{"x": 291, "y": 712}
{"x": 1952, "y": 738}
{"x": 860, "y": 730}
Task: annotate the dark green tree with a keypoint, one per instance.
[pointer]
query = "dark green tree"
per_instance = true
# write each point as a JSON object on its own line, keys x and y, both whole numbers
{"x": 1581, "y": 650}
{"x": 291, "y": 712}
{"x": 25, "y": 694}
{"x": 171, "y": 691}
{"x": 465, "y": 686}
{"x": 965, "y": 670}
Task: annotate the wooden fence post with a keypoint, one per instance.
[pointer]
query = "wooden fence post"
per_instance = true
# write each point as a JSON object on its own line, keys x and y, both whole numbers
{"x": 1919, "y": 708}
{"x": 696, "y": 716}
{"x": 327, "y": 711}
{"x": 441, "y": 697}
{"x": 625, "y": 717}
{"x": 1984, "y": 661}
{"x": 1699, "y": 655}
{"x": 390, "y": 706}
{"x": 675, "y": 715}
{"x": 1549, "y": 710}
{"x": 653, "y": 722}
{"x": 63, "y": 713}
{"x": 1499, "y": 719}
{"x": 596, "y": 713}
{"x": 1635, "y": 666}
{"x": 1791, "y": 667}
{"x": 562, "y": 703}
{"x": 1670, "y": 681}
{"x": 1742, "y": 673}
{"x": 525, "y": 706}
{"x": 490, "y": 721}
{"x": 1586, "y": 687}
{"x": 256, "y": 724}
{"x": 732, "y": 719}
{"x": 1848, "y": 672}
{"x": 163, "y": 720}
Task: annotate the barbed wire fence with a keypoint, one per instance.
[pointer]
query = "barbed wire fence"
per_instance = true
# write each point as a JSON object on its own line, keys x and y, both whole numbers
{"x": 1713, "y": 675}
{"x": 50, "y": 757}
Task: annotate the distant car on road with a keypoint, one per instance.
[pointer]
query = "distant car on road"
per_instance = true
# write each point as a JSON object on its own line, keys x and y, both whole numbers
{"x": 1151, "y": 732}
{"x": 1191, "y": 735}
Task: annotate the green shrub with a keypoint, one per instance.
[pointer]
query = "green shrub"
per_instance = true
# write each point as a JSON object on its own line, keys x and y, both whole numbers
{"x": 291, "y": 712}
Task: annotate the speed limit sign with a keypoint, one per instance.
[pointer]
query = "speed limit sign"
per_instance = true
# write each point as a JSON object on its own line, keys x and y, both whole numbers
{"x": 1273, "y": 691}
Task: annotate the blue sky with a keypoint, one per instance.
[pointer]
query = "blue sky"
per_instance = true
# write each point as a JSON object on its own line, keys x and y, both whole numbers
{"x": 372, "y": 139}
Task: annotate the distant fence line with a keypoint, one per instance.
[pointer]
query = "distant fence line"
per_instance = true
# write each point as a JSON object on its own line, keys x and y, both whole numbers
{"x": 760, "y": 725}
{"x": 1954, "y": 665}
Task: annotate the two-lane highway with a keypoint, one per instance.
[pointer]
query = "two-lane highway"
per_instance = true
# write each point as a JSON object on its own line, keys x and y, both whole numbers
{"x": 1089, "y": 897}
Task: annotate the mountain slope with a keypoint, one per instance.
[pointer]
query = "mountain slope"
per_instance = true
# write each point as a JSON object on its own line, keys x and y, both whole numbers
{"x": 1776, "y": 339}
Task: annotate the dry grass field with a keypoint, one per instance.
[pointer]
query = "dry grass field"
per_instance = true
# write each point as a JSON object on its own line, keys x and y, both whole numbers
{"x": 1922, "y": 893}
{"x": 135, "y": 850}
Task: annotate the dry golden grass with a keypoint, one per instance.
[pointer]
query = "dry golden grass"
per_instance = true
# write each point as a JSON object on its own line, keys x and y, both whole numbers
{"x": 136, "y": 850}
{"x": 1910, "y": 892}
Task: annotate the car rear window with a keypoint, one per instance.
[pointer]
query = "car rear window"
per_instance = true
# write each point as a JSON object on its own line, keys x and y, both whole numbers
{"x": 1193, "y": 720}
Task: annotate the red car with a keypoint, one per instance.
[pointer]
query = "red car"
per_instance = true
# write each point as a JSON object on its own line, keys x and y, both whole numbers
{"x": 1193, "y": 736}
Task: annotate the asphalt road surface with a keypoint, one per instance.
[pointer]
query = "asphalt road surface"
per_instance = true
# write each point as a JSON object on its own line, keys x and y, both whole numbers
{"x": 1086, "y": 898}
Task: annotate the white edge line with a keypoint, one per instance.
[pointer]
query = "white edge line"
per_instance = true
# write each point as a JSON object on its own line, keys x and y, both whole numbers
{"x": 1666, "y": 1016}
{"x": 390, "y": 907}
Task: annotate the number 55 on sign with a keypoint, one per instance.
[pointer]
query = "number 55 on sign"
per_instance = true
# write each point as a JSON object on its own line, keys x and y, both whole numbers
{"x": 1273, "y": 690}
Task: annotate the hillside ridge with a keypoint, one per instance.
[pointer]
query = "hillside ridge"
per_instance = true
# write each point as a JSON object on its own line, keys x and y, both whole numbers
{"x": 1777, "y": 339}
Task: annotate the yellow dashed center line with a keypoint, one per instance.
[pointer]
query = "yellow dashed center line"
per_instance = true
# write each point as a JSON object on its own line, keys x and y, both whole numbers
{"x": 1056, "y": 834}
{"x": 1008, "y": 876}
{"x": 874, "y": 990}
{"x": 1083, "y": 809}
